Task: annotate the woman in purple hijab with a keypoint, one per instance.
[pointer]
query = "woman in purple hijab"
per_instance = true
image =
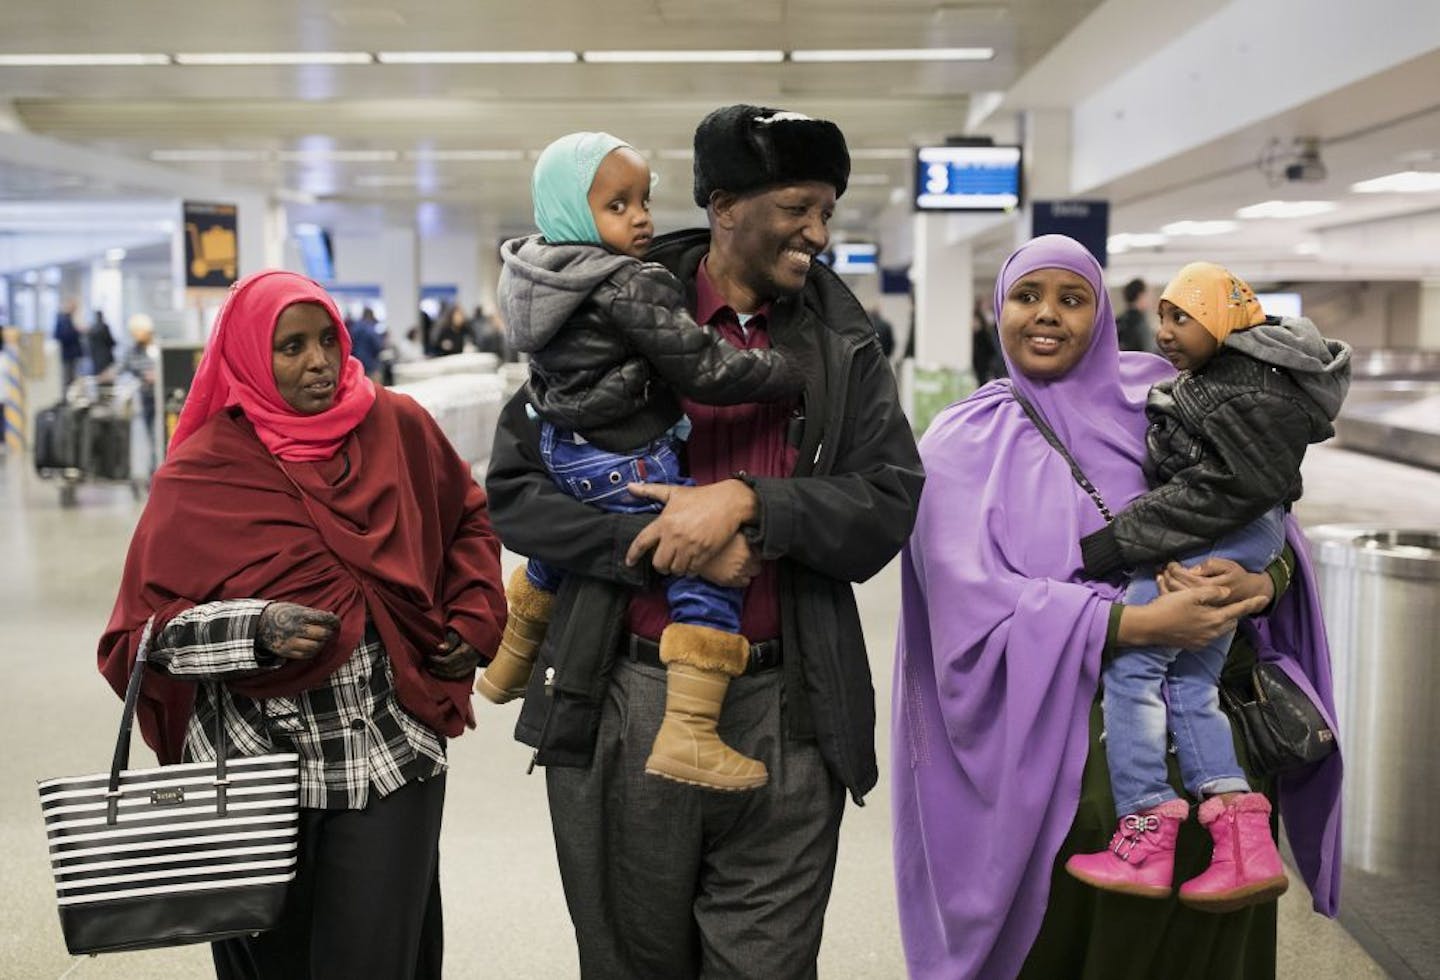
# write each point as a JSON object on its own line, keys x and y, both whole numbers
{"x": 999, "y": 774}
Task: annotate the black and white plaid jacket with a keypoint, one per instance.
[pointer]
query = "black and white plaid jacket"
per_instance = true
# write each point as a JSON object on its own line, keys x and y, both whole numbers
{"x": 351, "y": 734}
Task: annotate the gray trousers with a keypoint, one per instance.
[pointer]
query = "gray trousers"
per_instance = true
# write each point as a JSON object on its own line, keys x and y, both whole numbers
{"x": 670, "y": 881}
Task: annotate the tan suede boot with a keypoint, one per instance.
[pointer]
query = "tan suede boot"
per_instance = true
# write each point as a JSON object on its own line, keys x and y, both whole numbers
{"x": 699, "y": 662}
{"x": 508, "y": 674}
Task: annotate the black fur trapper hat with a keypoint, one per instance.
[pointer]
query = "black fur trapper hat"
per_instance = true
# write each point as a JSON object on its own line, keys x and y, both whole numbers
{"x": 742, "y": 148}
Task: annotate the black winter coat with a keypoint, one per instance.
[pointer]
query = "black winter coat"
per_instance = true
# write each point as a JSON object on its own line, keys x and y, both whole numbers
{"x": 842, "y": 516}
{"x": 1224, "y": 445}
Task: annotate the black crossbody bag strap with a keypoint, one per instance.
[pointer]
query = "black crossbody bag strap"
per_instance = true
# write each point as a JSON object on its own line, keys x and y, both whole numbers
{"x": 1058, "y": 446}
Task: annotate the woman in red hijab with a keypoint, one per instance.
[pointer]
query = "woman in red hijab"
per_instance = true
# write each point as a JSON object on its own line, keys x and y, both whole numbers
{"x": 315, "y": 545}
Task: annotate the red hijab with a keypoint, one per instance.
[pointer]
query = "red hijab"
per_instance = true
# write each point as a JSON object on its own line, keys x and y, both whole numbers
{"x": 237, "y": 370}
{"x": 394, "y": 533}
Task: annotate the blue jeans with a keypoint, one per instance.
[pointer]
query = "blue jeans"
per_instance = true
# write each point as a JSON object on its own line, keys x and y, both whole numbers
{"x": 596, "y": 476}
{"x": 1135, "y": 710}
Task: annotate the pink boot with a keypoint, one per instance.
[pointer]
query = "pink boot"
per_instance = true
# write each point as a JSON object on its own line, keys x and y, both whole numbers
{"x": 1141, "y": 857}
{"x": 1245, "y": 867}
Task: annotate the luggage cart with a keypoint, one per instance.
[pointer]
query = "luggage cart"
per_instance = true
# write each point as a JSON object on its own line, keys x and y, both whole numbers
{"x": 86, "y": 438}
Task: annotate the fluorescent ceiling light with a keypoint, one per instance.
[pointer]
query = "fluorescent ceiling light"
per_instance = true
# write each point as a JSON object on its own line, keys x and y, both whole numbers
{"x": 677, "y": 57}
{"x": 207, "y": 156}
{"x": 1123, "y": 241}
{"x": 338, "y": 156}
{"x": 80, "y": 60}
{"x": 276, "y": 58}
{"x": 438, "y": 156}
{"x": 882, "y": 153}
{"x": 1405, "y": 182}
{"x": 476, "y": 57}
{"x": 1307, "y": 248}
{"x": 1286, "y": 209}
{"x": 896, "y": 54}
{"x": 392, "y": 180}
{"x": 1222, "y": 227}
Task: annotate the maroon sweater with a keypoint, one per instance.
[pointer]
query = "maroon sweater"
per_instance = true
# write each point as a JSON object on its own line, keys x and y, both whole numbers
{"x": 725, "y": 439}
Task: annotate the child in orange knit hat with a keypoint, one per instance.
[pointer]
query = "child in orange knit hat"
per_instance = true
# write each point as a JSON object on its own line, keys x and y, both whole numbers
{"x": 1224, "y": 448}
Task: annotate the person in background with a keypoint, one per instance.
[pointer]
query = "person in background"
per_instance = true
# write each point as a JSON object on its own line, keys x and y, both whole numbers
{"x": 489, "y": 338}
{"x": 102, "y": 345}
{"x": 985, "y": 358}
{"x": 139, "y": 363}
{"x": 451, "y": 332}
{"x": 1133, "y": 326}
{"x": 883, "y": 330}
{"x": 369, "y": 339}
{"x": 799, "y": 497}
{"x": 72, "y": 346}
{"x": 317, "y": 570}
{"x": 998, "y": 768}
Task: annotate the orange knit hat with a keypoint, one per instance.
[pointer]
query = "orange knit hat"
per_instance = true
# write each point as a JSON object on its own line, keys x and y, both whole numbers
{"x": 1218, "y": 300}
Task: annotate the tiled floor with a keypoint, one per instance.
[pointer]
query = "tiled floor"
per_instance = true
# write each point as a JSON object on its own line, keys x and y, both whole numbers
{"x": 505, "y": 915}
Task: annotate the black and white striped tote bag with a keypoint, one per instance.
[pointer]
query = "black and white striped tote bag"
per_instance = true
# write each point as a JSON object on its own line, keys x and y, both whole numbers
{"x": 177, "y": 854}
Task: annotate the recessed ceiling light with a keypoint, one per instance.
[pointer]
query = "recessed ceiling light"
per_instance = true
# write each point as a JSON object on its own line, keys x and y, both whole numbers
{"x": 896, "y": 54}
{"x": 1123, "y": 241}
{"x": 80, "y": 60}
{"x": 1405, "y": 182}
{"x": 681, "y": 57}
{"x": 1221, "y": 227}
{"x": 207, "y": 156}
{"x": 338, "y": 156}
{"x": 468, "y": 156}
{"x": 276, "y": 58}
{"x": 475, "y": 57}
{"x": 1286, "y": 209}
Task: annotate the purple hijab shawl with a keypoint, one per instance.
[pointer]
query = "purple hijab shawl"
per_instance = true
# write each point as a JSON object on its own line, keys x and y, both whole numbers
{"x": 999, "y": 643}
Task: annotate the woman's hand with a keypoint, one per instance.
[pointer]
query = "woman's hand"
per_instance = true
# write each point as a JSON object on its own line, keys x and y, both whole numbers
{"x": 295, "y": 632}
{"x": 456, "y": 660}
{"x": 733, "y": 566}
{"x": 1228, "y": 575}
{"x": 1188, "y": 619}
{"x": 695, "y": 524}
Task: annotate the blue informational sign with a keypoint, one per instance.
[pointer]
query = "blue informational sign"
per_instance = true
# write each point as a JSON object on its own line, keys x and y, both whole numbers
{"x": 967, "y": 178}
{"x": 1088, "y": 222}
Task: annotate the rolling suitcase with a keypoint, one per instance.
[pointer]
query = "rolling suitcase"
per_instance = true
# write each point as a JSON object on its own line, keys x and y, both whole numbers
{"x": 57, "y": 437}
{"x": 105, "y": 444}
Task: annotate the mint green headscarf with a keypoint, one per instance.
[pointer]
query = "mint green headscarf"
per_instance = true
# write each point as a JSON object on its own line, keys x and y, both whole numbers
{"x": 561, "y": 183}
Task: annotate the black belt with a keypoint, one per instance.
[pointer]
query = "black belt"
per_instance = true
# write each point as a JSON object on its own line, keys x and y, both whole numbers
{"x": 764, "y": 655}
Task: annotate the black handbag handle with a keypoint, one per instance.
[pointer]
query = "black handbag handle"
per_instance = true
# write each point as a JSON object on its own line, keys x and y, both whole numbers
{"x": 1059, "y": 447}
{"x": 127, "y": 723}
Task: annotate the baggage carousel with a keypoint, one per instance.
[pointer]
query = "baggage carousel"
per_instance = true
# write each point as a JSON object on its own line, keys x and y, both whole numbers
{"x": 1393, "y": 409}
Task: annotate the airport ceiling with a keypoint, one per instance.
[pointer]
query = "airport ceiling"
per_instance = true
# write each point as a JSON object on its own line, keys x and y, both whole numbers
{"x": 461, "y": 136}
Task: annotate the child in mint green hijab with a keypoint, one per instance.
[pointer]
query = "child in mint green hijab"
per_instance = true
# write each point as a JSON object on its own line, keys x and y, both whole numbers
{"x": 610, "y": 345}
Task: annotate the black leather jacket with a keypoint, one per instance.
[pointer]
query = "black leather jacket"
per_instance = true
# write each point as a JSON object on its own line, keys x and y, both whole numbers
{"x": 846, "y": 511}
{"x": 1225, "y": 445}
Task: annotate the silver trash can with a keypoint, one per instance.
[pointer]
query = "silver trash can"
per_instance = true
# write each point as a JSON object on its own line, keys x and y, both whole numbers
{"x": 1380, "y": 592}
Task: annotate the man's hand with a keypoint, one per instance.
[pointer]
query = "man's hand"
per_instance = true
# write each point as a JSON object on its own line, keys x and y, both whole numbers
{"x": 456, "y": 659}
{"x": 733, "y": 566}
{"x": 1230, "y": 576}
{"x": 695, "y": 524}
{"x": 295, "y": 632}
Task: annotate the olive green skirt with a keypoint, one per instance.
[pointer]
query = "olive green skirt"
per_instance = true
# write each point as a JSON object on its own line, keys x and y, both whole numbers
{"x": 1099, "y": 935}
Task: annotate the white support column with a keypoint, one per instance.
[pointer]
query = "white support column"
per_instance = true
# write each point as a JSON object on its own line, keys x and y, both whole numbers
{"x": 944, "y": 296}
{"x": 400, "y": 284}
{"x": 1045, "y": 134}
{"x": 1427, "y": 337}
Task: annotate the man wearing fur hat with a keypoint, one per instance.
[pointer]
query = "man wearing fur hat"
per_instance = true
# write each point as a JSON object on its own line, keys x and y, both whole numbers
{"x": 793, "y": 501}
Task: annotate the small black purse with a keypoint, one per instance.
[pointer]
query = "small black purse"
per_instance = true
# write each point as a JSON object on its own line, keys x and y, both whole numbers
{"x": 1280, "y": 725}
